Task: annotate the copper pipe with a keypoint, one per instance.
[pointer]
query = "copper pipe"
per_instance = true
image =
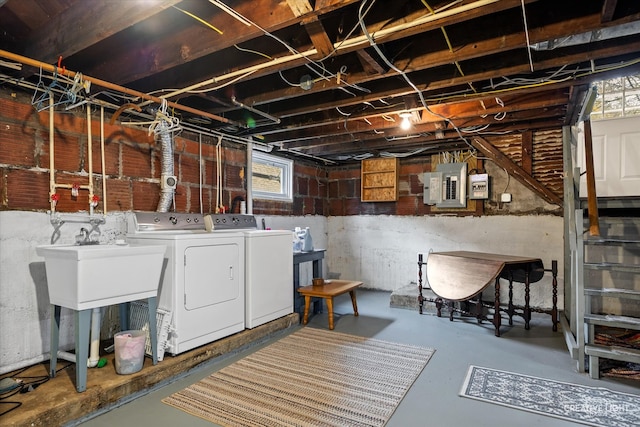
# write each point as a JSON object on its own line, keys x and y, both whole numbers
{"x": 121, "y": 110}
{"x": 107, "y": 85}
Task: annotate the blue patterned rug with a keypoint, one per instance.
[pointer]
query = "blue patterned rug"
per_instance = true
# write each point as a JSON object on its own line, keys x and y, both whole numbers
{"x": 595, "y": 406}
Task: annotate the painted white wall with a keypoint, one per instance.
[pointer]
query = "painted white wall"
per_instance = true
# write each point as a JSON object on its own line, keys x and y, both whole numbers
{"x": 382, "y": 251}
{"x": 24, "y": 298}
{"x": 379, "y": 250}
{"x": 317, "y": 227}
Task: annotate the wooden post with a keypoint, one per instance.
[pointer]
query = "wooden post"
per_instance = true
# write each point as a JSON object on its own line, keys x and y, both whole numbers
{"x": 592, "y": 200}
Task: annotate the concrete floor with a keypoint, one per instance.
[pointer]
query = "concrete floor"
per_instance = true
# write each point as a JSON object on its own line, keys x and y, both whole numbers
{"x": 433, "y": 399}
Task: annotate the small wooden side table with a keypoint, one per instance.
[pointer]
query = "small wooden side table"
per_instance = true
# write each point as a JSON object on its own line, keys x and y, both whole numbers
{"x": 330, "y": 289}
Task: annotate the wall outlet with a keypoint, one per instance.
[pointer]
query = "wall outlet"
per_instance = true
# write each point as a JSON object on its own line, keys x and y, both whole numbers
{"x": 505, "y": 197}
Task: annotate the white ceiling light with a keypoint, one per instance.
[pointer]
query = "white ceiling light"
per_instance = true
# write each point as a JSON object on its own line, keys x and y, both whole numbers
{"x": 405, "y": 124}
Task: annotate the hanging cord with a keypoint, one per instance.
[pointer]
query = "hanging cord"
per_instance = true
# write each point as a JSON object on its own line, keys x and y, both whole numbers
{"x": 404, "y": 75}
{"x": 526, "y": 32}
{"x": 25, "y": 384}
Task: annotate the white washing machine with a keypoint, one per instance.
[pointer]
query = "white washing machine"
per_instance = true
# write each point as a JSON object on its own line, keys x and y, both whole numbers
{"x": 202, "y": 284}
{"x": 268, "y": 268}
{"x": 269, "y": 275}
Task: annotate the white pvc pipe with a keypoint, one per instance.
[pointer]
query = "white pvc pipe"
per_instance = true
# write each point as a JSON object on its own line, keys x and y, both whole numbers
{"x": 65, "y": 355}
{"x": 52, "y": 171}
{"x": 94, "y": 350}
{"x": 102, "y": 160}
{"x": 90, "y": 160}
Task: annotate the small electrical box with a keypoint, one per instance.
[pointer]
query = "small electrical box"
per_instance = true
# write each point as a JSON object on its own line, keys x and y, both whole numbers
{"x": 479, "y": 186}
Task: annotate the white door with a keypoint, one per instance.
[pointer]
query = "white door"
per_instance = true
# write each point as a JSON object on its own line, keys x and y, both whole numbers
{"x": 616, "y": 157}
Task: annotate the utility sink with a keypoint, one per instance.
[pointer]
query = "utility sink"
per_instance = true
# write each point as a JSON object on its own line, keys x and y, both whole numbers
{"x": 90, "y": 276}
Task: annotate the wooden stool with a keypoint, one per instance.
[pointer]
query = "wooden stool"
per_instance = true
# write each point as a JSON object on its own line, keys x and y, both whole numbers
{"x": 330, "y": 289}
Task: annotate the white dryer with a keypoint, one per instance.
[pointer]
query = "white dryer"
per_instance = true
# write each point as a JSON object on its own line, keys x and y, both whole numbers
{"x": 202, "y": 284}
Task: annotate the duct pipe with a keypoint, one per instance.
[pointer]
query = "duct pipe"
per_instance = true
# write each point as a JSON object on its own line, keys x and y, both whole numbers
{"x": 165, "y": 138}
{"x": 249, "y": 176}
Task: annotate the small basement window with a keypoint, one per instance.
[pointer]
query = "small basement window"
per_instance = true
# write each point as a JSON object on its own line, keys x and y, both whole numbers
{"x": 271, "y": 177}
{"x": 617, "y": 97}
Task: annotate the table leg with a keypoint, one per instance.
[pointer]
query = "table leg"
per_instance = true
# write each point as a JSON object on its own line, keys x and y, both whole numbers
{"x": 123, "y": 309}
{"x": 153, "y": 328}
{"x": 496, "y": 308}
{"x": 55, "y": 338}
{"x": 353, "y": 302}
{"x": 330, "y": 310}
{"x": 296, "y": 284}
{"x": 554, "y": 310}
{"x": 451, "y": 310}
{"x": 420, "y": 297}
{"x": 83, "y": 324}
{"x": 317, "y": 272}
{"x": 510, "y": 309}
{"x": 438, "y": 306}
{"x": 527, "y": 309}
{"x": 307, "y": 303}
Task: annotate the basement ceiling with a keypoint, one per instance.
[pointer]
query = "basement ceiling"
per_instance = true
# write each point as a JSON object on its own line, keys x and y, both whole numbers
{"x": 329, "y": 80}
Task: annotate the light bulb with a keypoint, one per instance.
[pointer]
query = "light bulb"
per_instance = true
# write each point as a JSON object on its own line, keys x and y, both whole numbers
{"x": 405, "y": 124}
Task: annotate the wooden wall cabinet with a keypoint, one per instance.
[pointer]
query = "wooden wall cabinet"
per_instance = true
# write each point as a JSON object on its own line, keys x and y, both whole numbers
{"x": 379, "y": 180}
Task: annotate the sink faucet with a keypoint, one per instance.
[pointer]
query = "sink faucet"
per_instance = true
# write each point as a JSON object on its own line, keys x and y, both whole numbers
{"x": 83, "y": 238}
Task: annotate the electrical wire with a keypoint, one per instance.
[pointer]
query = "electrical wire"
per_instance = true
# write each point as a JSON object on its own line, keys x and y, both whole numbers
{"x": 32, "y": 383}
{"x": 202, "y": 21}
{"x": 526, "y": 32}
{"x": 321, "y": 71}
{"x": 403, "y": 74}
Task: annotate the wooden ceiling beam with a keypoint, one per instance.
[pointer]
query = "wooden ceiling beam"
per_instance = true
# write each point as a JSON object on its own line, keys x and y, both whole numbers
{"x": 173, "y": 49}
{"x": 585, "y": 79}
{"x": 449, "y": 140}
{"x": 63, "y": 36}
{"x": 362, "y": 131}
{"x": 608, "y": 9}
{"x": 319, "y": 37}
{"x": 503, "y": 161}
{"x": 442, "y": 57}
{"x": 521, "y": 100}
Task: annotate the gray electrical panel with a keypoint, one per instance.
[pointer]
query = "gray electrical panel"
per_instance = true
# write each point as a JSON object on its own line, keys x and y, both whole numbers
{"x": 447, "y": 186}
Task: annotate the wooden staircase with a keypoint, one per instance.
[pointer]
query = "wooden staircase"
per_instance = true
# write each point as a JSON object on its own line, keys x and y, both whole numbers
{"x": 610, "y": 288}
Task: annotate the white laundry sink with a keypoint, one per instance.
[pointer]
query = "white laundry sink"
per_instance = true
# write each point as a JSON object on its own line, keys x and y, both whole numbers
{"x": 83, "y": 277}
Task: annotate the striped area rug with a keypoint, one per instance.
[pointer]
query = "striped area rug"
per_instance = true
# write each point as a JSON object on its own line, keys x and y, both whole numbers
{"x": 312, "y": 377}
